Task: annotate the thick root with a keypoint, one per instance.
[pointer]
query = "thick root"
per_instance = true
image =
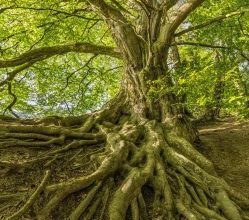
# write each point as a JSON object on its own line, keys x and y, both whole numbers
{"x": 138, "y": 170}
{"x": 84, "y": 204}
{"x": 31, "y": 200}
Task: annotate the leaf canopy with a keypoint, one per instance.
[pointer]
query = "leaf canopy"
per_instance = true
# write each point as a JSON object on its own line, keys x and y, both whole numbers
{"x": 74, "y": 82}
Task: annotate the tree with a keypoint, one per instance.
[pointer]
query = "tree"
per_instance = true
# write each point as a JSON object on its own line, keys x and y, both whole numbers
{"x": 143, "y": 137}
{"x": 213, "y": 110}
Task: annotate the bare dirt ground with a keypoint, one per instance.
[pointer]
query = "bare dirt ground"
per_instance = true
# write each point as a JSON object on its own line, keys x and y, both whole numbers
{"x": 226, "y": 144}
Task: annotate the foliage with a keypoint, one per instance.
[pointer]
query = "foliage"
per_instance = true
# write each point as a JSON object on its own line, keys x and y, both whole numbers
{"x": 76, "y": 83}
{"x": 69, "y": 84}
{"x": 198, "y": 72}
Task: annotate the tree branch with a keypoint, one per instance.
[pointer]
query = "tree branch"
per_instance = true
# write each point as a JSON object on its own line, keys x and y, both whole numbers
{"x": 200, "y": 45}
{"x": 4, "y": 9}
{"x": 123, "y": 31}
{"x": 183, "y": 13}
{"x": 168, "y": 28}
{"x": 11, "y": 75}
{"x": 209, "y": 22}
{"x": 13, "y": 95}
{"x": 46, "y": 52}
{"x": 170, "y": 3}
{"x": 82, "y": 67}
{"x": 211, "y": 46}
{"x": 56, "y": 11}
{"x": 30, "y": 201}
{"x": 108, "y": 11}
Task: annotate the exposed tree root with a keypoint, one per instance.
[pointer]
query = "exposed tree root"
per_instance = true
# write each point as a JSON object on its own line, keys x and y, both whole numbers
{"x": 84, "y": 203}
{"x": 135, "y": 209}
{"x": 31, "y": 200}
{"x": 12, "y": 196}
{"x": 130, "y": 155}
{"x": 142, "y": 207}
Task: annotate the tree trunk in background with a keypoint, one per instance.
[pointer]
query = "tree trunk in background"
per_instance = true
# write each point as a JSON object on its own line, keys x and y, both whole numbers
{"x": 212, "y": 111}
{"x": 243, "y": 91}
{"x": 176, "y": 60}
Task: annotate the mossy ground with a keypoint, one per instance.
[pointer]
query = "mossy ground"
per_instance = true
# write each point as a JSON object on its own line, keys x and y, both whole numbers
{"x": 223, "y": 142}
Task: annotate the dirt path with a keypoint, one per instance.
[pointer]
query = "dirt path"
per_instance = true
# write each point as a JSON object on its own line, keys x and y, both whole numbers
{"x": 226, "y": 143}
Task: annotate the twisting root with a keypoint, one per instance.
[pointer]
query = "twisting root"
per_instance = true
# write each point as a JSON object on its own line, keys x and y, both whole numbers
{"x": 84, "y": 203}
{"x": 108, "y": 166}
{"x": 163, "y": 203}
{"x": 134, "y": 209}
{"x": 142, "y": 207}
{"x": 105, "y": 199}
{"x": 210, "y": 214}
{"x": 132, "y": 185}
{"x": 32, "y": 199}
{"x": 226, "y": 205}
{"x": 133, "y": 155}
{"x": 93, "y": 208}
{"x": 129, "y": 190}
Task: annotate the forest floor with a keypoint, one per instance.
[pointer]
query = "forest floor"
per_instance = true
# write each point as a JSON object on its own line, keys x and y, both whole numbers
{"x": 226, "y": 144}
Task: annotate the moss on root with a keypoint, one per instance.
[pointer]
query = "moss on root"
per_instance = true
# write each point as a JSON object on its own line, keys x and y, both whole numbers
{"x": 101, "y": 170}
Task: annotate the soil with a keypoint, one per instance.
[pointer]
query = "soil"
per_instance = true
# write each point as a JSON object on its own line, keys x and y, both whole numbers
{"x": 226, "y": 144}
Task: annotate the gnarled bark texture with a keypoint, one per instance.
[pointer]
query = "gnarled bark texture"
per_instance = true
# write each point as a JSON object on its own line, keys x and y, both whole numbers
{"x": 133, "y": 159}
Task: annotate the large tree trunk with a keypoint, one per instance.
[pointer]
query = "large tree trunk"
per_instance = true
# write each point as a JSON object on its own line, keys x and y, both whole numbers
{"x": 133, "y": 159}
{"x": 144, "y": 166}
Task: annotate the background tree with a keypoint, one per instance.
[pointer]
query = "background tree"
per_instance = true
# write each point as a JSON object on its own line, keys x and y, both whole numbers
{"x": 226, "y": 34}
{"x": 136, "y": 146}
